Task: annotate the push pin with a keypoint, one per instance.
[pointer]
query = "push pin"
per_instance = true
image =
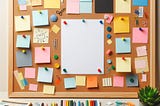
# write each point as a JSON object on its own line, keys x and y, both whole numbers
{"x": 24, "y": 51}
{"x": 40, "y": 12}
{"x": 140, "y": 29}
{"x": 83, "y": 21}
{"x": 109, "y": 61}
{"x": 101, "y": 22}
{"x": 136, "y": 12}
{"x": 56, "y": 57}
{"x": 99, "y": 70}
{"x": 65, "y": 70}
{"x": 109, "y": 52}
{"x": 24, "y": 36}
{"x": 65, "y": 22}
{"x": 123, "y": 39}
{"x": 113, "y": 67}
{"x": 123, "y": 58}
{"x": 22, "y": 17}
{"x": 42, "y": 47}
{"x": 46, "y": 68}
{"x": 122, "y": 18}
{"x": 132, "y": 80}
{"x": 56, "y": 65}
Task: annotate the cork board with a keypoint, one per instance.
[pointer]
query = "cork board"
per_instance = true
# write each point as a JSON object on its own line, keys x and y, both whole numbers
{"x": 81, "y": 92}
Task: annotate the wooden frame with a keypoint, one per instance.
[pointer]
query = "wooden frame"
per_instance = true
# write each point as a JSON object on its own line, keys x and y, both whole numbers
{"x": 11, "y": 92}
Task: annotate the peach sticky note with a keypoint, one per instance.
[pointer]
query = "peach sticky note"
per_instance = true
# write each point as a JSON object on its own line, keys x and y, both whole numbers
{"x": 92, "y": 82}
{"x": 47, "y": 89}
{"x": 30, "y": 73}
{"x": 140, "y": 36}
{"x": 33, "y": 87}
{"x": 42, "y": 56}
{"x": 118, "y": 81}
{"x": 51, "y": 3}
{"x": 80, "y": 80}
{"x": 141, "y": 51}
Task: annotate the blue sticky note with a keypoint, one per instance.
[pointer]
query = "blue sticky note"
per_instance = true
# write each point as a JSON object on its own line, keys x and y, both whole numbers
{"x": 23, "y": 42}
{"x": 69, "y": 83}
{"x": 123, "y": 46}
{"x": 140, "y": 2}
{"x": 24, "y": 82}
{"x": 45, "y": 75}
{"x": 40, "y": 18}
{"x": 22, "y": 2}
{"x": 85, "y": 6}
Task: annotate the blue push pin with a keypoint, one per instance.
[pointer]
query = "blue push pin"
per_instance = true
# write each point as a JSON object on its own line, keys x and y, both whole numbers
{"x": 53, "y": 18}
{"x": 140, "y": 29}
{"x": 136, "y": 12}
{"x": 109, "y": 29}
{"x": 109, "y": 61}
{"x": 109, "y": 36}
{"x": 22, "y": 17}
{"x": 101, "y": 22}
{"x": 83, "y": 21}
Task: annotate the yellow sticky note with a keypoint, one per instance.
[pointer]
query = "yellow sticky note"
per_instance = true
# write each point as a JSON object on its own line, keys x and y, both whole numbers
{"x": 123, "y": 6}
{"x": 36, "y": 2}
{"x": 121, "y": 24}
{"x": 55, "y": 29}
{"x": 141, "y": 64}
{"x": 22, "y": 23}
{"x": 51, "y": 3}
{"x": 123, "y": 65}
{"x": 80, "y": 80}
{"x": 47, "y": 89}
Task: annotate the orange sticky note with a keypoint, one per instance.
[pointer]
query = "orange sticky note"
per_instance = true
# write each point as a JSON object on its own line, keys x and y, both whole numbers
{"x": 92, "y": 82}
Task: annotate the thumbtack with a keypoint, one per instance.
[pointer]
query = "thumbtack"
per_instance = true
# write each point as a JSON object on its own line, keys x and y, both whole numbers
{"x": 123, "y": 39}
{"x": 65, "y": 22}
{"x": 42, "y": 47}
{"x": 136, "y": 12}
{"x": 56, "y": 57}
{"x": 123, "y": 58}
{"x": 22, "y": 17}
{"x": 46, "y": 68}
{"x": 109, "y": 52}
{"x": 99, "y": 70}
{"x": 113, "y": 67}
{"x": 132, "y": 80}
{"x": 83, "y": 21}
{"x": 24, "y": 51}
{"x": 109, "y": 61}
{"x": 56, "y": 65}
{"x": 65, "y": 70}
{"x": 109, "y": 29}
{"x": 101, "y": 22}
{"x": 122, "y": 19}
{"x": 40, "y": 11}
{"x": 24, "y": 36}
{"x": 140, "y": 29}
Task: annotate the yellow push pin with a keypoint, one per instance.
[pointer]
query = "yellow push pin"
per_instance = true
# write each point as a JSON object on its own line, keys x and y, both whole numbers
{"x": 123, "y": 39}
{"x": 24, "y": 51}
{"x": 42, "y": 47}
{"x": 56, "y": 65}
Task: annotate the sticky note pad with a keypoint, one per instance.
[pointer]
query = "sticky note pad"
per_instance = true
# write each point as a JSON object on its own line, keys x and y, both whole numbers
{"x": 85, "y": 6}
{"x": 51, "y": 3}
{"x": 33, "y": 87}
{"x": 141, "y": 64}
{"x": 73, "y": 6}
{"x": 132, "y": 80}
{"x": 107, "y": 82}
{"x": 141, "y": 51}
{"x": 121, "y": 24}
{"x": 118, "y": 81}
{"x": 69, "y": 83}
{"x": 140, "y": 36}
{"x": 55, "y": 29}
{"x": 36, "y": 2}
{"x": 23, "y": 7}
{"x": 40, "y": 18}
{"x": 45, "y": 75}
{"x": 22, "y": 23}
{"x": 30, "y": 73}
{"x": 123, "y": 6}
{"x": 92, "y": 82}
{"x": 22, "y": 2}
{"x": 42, "y": 56}
{"x": 123, "y": 46}
{"x": 123, "y": 65}
{"x": 40, "y": 35}
{"x": 23, "y": 42}
{"x": 140, "y": 2}
{"x": 48, "y": 89}
{"x": 80, "y": 80}
{"x": 23, "y": 59}
{"x": 104, "y": 6}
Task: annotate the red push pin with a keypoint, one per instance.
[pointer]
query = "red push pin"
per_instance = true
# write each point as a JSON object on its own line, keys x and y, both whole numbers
{"x": 42, "y": 47}
{"x": 123, "y": 58}
{"x": 65, "y": 22}
{"x": 140, "y": 29}
{"x": 99, "y": 70}
{"x": 24, "y": 36}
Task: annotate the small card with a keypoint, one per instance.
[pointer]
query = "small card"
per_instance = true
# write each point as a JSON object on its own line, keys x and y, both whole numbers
{"x": 69, "y": 83}
{"x": 48, "y": 89}
{"x": 45, "y": 75}
{"x": 123, "y": 46}
{"x": 85, "y": 6}
{"x": 23, "y": 42}
{"x": 42, "y": 56}
{"x": 36, "y": 2}
{"x": 144, "y": 78}
{"x": 92, "y": 82}
{"x": 121, "y": 24}
{"x": 141, "y": 51}
{"x": 123, "y": 65}
{"x": 107, "y": 82}
{"x": 123, "y": 6}
{"x": 141, "y": 11}
{"x": 141, "y": 64}
{"x": 108, "y": 18}
{"x": 52, "y": 3}
{"x": 22, "y": 23}
{"x": 140, "y": 2}
{"x": 140, "y": 36}
{"x": 80, "y": 80}
{"x": 33, "y": 87}
{"x": 55, "y": 29}
{"x": 40, "y": 18}
{"x": 23, "y": 7}
{"x": 24, "y": 59}
{"x": 132, "y": 80}
{"x": 41, "y": 35}
{"x": 73, "y": 6}
{"x": 118, "y": 81}
{"x": 30, "y": 73}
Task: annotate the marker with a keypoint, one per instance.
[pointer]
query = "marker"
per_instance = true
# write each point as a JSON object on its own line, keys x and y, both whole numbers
{"x": 65, "y": 70}
{"x": 99, "y": 70}
{"x": 82, "y": 104}
{"x": 24, "y": 36}
{"x": 24, "y": 51}
{"x": 87, "y": 104}
{"x": 101, "y": 22}
{"x": 22, "y": 17}
{"x": 123, "y": 58}
{"x": 42, "y": 104}
{"x": 71, "y": 103}
{"x": 42, "y": 47}
{"x": 140, "y": 29}
{"x": 79, "y": 103}
{"x": 65, "y": 22}
{"x": 74, "y": 103}
{"x": 83, "y": 21}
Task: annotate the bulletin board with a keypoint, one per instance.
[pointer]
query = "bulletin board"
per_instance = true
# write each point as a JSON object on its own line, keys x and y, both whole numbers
{"x": 82, "y": 92}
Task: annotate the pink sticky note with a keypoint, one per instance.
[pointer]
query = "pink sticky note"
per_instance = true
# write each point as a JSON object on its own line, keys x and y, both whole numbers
{"x": 33, "y": 87}
{"x": 30, "y": 73}
{"x": 140, "y": 36}
{"x": 118, "y": 81}
{"x": 108, "y": 18}
{"x": 42, "y": 56}
{"x": 141, "y": 51}
{"x": 73, "y": 6}
{"x": 23, "y": 7}
{"x": 140, "y": 64}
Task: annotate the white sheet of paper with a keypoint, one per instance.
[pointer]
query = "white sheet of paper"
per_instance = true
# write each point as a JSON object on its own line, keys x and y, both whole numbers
{"x": 82, "y": 46}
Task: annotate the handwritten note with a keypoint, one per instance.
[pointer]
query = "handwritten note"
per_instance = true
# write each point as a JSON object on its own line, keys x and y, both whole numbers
{"x": 92, "y": 82}
{"x": 48, "y": 89}
{"x": 41, "y": 35}
{"x": 30, "y": 73}
{"x": 22, "y": 23}
{"x": 73, "y": 6}
{"x": 141, "y": 51}
{"x": 118, "y": 81}
{"x": 123, "y": 65}
{"x": 55, "y": 29}
{"x": 123, "y": 6}
{"x": 69, "y": 83}
{"x": 36, "y": 2}
{"x": 80, "y": 80}
{"x": 33, "y": 87}
{"x": 51, "y": 3}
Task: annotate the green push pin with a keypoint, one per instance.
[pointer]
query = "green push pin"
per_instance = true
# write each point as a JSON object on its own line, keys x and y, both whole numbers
{"x": 65, "y": 70}
{"x": 132, "y": 80}
{"x": 113, "y": 67}
{"x": 46, "y": 68}
{"x": 56, "y": 57}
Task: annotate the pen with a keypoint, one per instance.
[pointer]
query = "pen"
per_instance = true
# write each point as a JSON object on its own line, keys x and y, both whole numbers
{"x": 87, "y": 103}
{"x": 79, "y": 103}
{"x": 61, "y": 102}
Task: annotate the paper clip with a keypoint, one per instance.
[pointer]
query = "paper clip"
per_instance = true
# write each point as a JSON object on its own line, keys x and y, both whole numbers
{"x": 60, "y": 11}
